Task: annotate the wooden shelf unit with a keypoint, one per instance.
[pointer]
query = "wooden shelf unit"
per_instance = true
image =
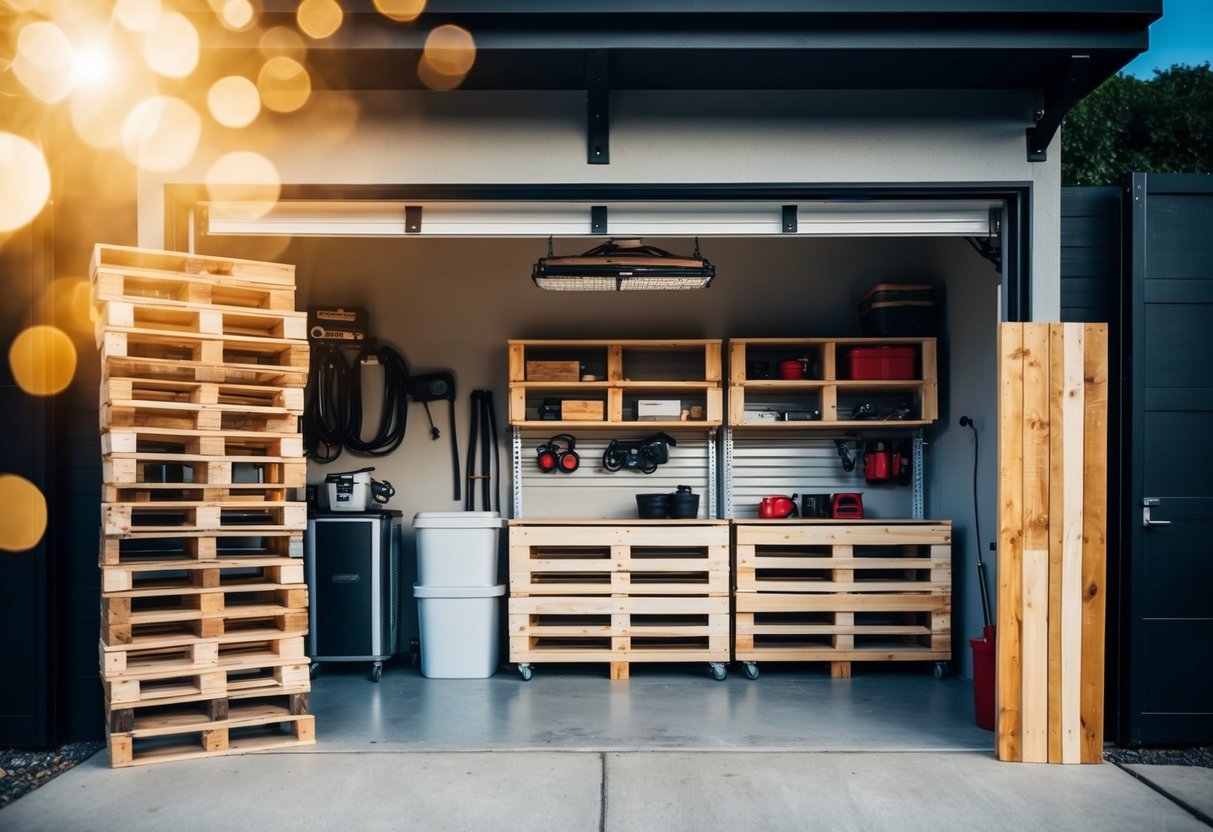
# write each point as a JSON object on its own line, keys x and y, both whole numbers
{"x": 842, "y": 592}
{"x": 624, "y": 372}
{"x": 619, "y": 591}
{"x": 827, "y": 389}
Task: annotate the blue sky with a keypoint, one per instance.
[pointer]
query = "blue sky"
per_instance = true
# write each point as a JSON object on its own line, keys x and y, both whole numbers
{"x": 1183, "y": 35}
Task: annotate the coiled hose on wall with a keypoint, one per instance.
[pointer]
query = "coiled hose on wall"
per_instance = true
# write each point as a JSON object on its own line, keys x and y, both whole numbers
{"x": 332, "y": 415}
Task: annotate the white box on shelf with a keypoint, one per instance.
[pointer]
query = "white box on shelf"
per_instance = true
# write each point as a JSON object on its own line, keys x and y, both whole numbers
{"x": 658, "y": 410}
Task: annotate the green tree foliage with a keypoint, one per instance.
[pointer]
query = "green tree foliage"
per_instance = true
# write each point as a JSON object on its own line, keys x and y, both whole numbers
{"x": 1163, "y": 125}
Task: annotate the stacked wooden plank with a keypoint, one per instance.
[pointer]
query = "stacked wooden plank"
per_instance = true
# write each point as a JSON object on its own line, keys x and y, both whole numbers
{"x": 204, "y": 607}
{"x": 1052, "y": 447}
{"x": 619, "y": 592}
{"x": 843, "y": 592}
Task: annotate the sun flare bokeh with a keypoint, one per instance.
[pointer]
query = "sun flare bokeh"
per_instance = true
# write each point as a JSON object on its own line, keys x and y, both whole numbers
{"x": 42, "y": 360}
{"x": 23, "y": 521}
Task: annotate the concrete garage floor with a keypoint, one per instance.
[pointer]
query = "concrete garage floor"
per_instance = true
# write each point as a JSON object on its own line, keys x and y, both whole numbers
{"x": 670, "y": 749}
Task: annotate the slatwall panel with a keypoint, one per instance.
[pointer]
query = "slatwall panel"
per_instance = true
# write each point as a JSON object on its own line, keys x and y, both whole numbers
{"x": 796, "y": 463}
{"x": 1052, "y": 447}
{"x": 591, "y": 491}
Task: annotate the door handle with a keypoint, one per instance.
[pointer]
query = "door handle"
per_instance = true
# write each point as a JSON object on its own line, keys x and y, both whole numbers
{"x": 1147, "y": 504}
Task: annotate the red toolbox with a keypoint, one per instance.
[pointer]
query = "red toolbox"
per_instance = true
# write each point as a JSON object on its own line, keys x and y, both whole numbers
{"x": 883, "y": 363}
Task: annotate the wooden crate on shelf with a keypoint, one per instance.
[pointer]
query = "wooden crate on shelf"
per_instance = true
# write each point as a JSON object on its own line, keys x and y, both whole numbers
{"x": 842, "y": 592}
{"x": 203, "y": 603}
{"x": 619, "y": 592}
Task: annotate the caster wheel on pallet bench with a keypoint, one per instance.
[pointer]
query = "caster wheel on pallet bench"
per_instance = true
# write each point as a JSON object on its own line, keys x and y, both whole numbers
{"x": 941, "y": 669}
{"x": 751, "y": 670}
{"x": 526, "y": 672}
{"x": 718, "y": 671}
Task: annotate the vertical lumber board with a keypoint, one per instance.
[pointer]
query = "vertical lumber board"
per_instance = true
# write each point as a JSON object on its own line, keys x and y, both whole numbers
{"x": 711, "y": 360}
{"x": 1056, "y": 507}
{"x": 1035, "y": 647}
{"x": 1071, "y": 523}
{"x": 1094, "y": 540}
{"x": 1008, "y": 736}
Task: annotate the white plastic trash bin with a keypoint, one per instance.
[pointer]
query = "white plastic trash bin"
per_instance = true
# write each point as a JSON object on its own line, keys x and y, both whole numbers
{"x": 457, "y": 548}
{"x": 458, "y": 630}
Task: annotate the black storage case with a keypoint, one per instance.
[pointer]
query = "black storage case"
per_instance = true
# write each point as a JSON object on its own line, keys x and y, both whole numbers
{"x": 352, "y": 560}
{"x": 898, "y": 310}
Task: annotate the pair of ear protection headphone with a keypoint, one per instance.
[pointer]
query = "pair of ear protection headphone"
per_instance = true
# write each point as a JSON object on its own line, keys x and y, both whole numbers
{"x": 552, "y": 457}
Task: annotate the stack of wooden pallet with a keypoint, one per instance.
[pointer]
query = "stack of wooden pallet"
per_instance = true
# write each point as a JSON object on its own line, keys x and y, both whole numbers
{"x": 619, "y": 592}
{"x": 843, "y": 592}
{"x": 203, "y": 600}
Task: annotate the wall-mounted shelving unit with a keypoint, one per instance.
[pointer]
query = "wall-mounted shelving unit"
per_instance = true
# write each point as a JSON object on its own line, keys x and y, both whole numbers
{"x": 838, "y": 374}
{"x": 612, "y": 377}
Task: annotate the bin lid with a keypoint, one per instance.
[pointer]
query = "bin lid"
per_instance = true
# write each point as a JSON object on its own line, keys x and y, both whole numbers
{"x": 457, "y": 520}
{"x": 420, "y": 591}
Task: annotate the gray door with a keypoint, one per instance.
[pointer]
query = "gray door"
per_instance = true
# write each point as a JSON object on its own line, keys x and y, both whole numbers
{"x": 1169, "y": 516}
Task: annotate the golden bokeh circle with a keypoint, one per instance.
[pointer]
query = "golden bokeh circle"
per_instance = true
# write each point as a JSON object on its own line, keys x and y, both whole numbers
{"x": 161, "y": 134}
{"x": 234, "y": 101}
{"x": 23, "y": 521}
{"x": 237, "y": 15}
{"x": 282, "y": 42}
{"x": 171, "y": 46}
{"x": 402, "y": 10}
{"x": 450, "y": 50}
{"x": 42, "y": 360}
{"x": 43, "y": 63}
{"x": 137, "y": 15}
{"x": 318, "y": 19}
{"x": 284, "y": 84}
{"x": 25, "y": 182}
{"x": 246, "y": 184}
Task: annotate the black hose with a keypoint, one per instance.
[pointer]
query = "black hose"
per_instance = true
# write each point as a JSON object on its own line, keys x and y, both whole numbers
{"x": 326, "y": 414}
{"x": 393, "y": 417}
{"x": 966, "y": 422}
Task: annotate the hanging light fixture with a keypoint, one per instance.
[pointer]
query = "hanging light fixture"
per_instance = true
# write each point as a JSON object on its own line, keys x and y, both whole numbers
{"x": 622, "y": 266}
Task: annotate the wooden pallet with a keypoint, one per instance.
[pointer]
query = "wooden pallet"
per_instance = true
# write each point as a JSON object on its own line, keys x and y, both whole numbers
{"x": 843, "y": 593}
{"x": 134, "y": 469}
{"x": 153, "y": 287}
{"x": 129, "y": 439}
{"x": 228, "y": 270}
{"x": 176, "y": 687}
{"x": 119, "y": 661}
{"x": 233, "y": 725}
{"x": 137, "y": 392}
{"x": 196, "y": 319}
{"x": 125, "y": 613}
{"x": 242, "y": 493}
{"x": 191, "y": 577}
{"x": 173, "y": 545}
{"x": 620, "y": 568}
{"x": 132, "y": 519}
{"x": 208, "y": 358}
{"x": 183, "y": 633}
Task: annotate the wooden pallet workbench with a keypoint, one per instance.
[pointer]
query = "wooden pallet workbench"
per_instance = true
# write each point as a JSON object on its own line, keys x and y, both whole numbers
{"x": 204, "y": 607}
{"x": 619, "y": 591}
{"x": 842, "y": 591}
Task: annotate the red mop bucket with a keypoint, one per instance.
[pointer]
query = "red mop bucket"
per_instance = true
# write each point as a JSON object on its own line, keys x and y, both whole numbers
{"x": 983, "y": 677}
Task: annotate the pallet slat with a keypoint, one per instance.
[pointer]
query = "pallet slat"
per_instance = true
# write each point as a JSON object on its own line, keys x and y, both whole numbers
{"x": 1052, "y": 490}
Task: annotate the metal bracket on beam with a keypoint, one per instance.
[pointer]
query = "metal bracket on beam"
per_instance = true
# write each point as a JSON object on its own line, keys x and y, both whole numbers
{"x": 598, "y": 219}
{"x": 1058, "y": 102}
{"x": 598, "y": 108}
{"x": 412, "y": 219}
{"x": 790, "y": 219}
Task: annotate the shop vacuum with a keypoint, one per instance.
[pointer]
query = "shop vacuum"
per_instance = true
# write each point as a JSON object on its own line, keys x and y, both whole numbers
{"x": 983, "y": 648}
